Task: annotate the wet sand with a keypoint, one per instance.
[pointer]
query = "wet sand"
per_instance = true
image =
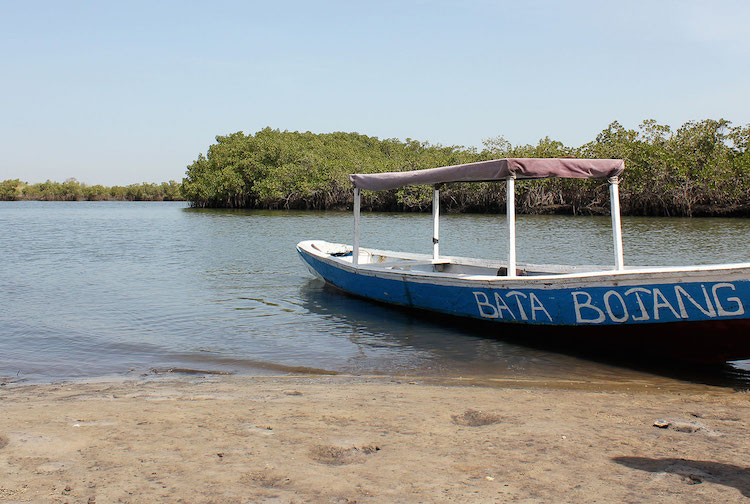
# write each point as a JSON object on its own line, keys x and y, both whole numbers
{"x": 343, "y": 439}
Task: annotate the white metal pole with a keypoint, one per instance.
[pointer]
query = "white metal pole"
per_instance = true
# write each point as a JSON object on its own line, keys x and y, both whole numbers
{"x": 510, "y": 205}
{"x": 614, "y": 201}
{"x": 355, "y": 249}
{"x": 435, "y": 223}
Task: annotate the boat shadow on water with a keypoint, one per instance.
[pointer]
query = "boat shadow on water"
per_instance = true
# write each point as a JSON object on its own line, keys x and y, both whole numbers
{"x": 507, "y": 346}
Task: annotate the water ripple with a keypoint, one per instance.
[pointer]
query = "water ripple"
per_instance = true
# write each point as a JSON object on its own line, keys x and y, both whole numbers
{"x": 99, "y": 288}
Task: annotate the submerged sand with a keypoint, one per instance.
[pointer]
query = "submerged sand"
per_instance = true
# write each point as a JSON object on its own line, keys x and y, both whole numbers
{"x": 338, "y": 439}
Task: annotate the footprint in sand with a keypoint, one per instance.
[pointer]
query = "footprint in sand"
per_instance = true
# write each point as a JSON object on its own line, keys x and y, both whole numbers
{"x": 335, "y": 455}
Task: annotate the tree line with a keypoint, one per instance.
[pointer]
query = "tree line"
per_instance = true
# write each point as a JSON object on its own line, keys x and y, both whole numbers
{"x": 72, "y": 190}
{"x": 701, "y": 168}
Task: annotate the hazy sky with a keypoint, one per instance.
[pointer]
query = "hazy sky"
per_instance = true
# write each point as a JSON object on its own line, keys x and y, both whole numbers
{"x": 130, "y": 91}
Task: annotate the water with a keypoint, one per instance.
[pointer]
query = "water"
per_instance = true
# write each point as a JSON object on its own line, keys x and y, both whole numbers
{"x": 91, "y": 289}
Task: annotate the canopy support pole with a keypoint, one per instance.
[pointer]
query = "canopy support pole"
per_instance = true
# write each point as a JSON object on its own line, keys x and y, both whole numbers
{"x": 614, "y": 201}
{"x": 435, "y": 223}
{"x": 355, "y": 249}
{"x": 510, "y": 210}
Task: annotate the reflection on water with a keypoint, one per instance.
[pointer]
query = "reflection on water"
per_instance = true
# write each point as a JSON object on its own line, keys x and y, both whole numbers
{"x": 451, "y": 346}
{"x": 92, "y": 289}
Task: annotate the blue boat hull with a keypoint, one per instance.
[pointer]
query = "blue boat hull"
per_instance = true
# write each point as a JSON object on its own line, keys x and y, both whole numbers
{"x": 705, "y": 320}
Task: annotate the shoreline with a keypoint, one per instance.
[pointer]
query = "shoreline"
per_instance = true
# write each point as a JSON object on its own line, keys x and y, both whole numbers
{"x": 314, "y": 438}
{"x": 699, "y": 212}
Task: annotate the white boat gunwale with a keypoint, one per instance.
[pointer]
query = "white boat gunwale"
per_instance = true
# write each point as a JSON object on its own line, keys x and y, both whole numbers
{"x": 604, "y": 274}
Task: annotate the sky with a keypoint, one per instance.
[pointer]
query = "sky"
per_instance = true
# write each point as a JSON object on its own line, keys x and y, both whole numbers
{"x": 118, "y": 93}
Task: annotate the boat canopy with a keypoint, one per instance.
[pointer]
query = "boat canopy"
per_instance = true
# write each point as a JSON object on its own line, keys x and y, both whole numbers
{"x": 496, "y": 169}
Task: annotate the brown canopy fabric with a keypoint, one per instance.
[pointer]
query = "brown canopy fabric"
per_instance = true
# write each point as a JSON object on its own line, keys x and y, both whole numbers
{"x": 496, "y": 169}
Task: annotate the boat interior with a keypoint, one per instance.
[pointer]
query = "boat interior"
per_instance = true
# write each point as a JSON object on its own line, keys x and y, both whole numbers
{"x": 405, "y": 261}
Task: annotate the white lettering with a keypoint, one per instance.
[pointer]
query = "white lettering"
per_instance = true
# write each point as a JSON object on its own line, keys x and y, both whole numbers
{"x": 611, "y": 314}
{"x": 680, "y": 292}
{"x": 662, "y": 304}
{"x": 707, "y": 298}
{"x": 722, "y": 311}
{"x": 644, "y": 313}
{"x": 587, "y": 304}
{"x": 485, "y": 303}
{"x": 501, "y": 305}
{"x": 536, "y": 305}
{"x": 518, "y": 295}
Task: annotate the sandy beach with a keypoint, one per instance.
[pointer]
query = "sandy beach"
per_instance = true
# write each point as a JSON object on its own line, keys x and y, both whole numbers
{"x": 344, "y": 439}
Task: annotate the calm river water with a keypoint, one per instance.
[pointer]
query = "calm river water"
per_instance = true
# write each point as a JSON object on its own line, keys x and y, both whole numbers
{"x": 93, "y": 289}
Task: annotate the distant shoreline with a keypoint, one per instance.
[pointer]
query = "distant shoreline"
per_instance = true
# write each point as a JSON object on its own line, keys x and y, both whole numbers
{"x": 114, "y": 200}
{"x": 738, "y": 211}
{"x": 72, "y": 190}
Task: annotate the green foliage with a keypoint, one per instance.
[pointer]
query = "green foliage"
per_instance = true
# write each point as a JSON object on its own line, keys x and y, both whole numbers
{"x": 11, "y": 190}
{"x": 702, "y": 168}
{"x": 275, "y": 169}
{"x": 72, "y": 190}
{"x": 699, "y": 169}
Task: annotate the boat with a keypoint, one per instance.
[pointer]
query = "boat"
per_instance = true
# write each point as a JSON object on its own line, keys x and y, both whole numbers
{"x": 687, "y": 313}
